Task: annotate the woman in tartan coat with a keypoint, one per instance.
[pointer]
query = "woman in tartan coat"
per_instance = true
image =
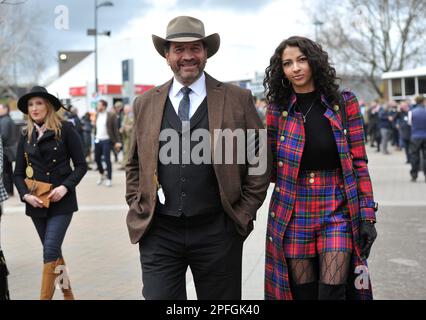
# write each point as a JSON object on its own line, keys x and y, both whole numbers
{"x": 322, "y": 213}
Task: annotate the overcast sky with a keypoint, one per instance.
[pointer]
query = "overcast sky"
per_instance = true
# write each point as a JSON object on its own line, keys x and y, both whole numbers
{"x": 251, "y": 28}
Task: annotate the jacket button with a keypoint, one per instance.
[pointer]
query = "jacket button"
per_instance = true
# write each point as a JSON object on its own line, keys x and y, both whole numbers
{"x": 282, "y": 138}
{"x": 47, "y": 173}
{"x": 270, "y": 239}
{"x": 55, "y": 148}
{"x": 277, "y": 189}
{"x": 273, "y": 214}
{"x": 280, "y": 164}
{"x": 336, "y": 107}
{"x": 311, "y": 181}
{"x": 312, "y": 175}
{"x": 34, "y": 145}
{"x": 54, "y": 160}
{"x": 285, "y": 114}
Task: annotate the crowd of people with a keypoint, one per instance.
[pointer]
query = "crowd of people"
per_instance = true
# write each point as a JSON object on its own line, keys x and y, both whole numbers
{"x": 401, "y": 125}
{"x": 104, "y": 132}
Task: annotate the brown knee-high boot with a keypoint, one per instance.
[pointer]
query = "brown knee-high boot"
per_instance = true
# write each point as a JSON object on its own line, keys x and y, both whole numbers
{"x": 48, "y": 281}
{"x": 66, "y": 285}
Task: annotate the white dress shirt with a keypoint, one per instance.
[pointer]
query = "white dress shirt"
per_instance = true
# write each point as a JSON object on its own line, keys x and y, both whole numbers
{"x": 196, "y": 96}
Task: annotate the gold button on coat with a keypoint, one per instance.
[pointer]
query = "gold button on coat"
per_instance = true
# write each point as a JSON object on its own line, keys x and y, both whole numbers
{"x": 277, "y": 189}
{"x": 282, "y": 138}
{"x": 285, "y": 114}
{"x": 336, "y": 107}
{"x": 273, "y": 214}
{"x": 312, "y": 175}
{"x": 280, "y": 164}
{"x": 311, "y": 180}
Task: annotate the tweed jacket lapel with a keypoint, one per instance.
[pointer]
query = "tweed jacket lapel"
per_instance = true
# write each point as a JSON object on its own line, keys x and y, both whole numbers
{"x": 153, "y": 122}
{"x": 215, "y": 105}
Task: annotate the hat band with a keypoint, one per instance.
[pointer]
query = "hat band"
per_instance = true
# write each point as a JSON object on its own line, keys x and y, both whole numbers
{"x": 184, "y": 34}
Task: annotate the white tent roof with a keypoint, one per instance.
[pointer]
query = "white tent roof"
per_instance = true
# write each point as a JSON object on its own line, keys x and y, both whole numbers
{"x": 421, "y": 71}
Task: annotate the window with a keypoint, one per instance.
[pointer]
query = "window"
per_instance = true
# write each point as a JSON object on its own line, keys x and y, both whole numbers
{"x": 422, "y": 84}
{"x": 409, "y": 87}
{"x": 396, "y": 87}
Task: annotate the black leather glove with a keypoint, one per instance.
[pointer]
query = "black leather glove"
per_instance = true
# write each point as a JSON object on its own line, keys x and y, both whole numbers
{"x": 368, "y": 235}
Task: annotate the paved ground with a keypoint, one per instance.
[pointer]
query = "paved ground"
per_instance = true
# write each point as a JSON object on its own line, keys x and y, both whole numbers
{"x": 104, "y": 265}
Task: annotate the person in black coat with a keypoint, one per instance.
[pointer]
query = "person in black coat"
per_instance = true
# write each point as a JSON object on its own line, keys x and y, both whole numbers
{"x": 8, "y": 132}
{"x": 4, "y": 288}
{"x": 47, "y": 146}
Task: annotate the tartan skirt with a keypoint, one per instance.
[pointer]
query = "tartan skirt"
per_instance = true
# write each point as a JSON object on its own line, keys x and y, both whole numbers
{"x": 320, "y": 221}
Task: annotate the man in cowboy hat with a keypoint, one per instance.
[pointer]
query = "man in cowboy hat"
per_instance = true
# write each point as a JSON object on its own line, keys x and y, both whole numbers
{"x": 186, "y": 214}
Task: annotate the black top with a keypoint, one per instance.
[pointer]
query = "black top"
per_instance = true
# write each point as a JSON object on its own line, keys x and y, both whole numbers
{"x": 320, "y": 151}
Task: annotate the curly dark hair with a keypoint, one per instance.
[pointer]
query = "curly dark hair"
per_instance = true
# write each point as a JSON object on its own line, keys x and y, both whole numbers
{"x": 323, "y": 73}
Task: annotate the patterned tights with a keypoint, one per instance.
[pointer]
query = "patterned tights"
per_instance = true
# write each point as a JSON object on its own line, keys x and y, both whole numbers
{"x": 333, "y": 269}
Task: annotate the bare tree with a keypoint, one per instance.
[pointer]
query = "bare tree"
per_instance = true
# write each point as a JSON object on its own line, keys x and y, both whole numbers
{"x": 21, "y": 44}
{"x": 370, "y": 37}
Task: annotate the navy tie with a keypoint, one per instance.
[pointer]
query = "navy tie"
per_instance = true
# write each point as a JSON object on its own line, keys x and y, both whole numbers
{"x": 183, "y": 111}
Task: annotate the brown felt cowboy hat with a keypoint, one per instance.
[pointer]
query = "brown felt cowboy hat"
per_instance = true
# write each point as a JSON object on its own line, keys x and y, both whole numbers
{"x": 187, "y": 29}
{"x": 38, "y": 91}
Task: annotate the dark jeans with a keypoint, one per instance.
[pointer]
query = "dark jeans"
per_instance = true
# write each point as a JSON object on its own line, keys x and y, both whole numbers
{"x": 405, "y": 144}
{"x": 417, "y": 146}
{"x": 52, "y": 231}
{"x": 103, "y": 148}
{"x": 209, "y": 245}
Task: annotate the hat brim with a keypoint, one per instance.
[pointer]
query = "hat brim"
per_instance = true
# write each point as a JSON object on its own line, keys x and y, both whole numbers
{"x": 212, "y": 43}
{"x": 23, "y": 101}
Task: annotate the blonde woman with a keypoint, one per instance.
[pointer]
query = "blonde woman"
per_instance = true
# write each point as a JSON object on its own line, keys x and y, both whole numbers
{"x": 44, "y": 153}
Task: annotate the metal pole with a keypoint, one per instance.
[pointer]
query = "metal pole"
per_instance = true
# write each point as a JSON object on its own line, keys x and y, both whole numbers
{"x": 96, "y": 47}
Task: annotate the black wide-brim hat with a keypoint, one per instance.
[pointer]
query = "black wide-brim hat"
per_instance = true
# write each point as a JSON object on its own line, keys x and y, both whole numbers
{"x": 38, "y": 91}
{"x": 186, "y": 29}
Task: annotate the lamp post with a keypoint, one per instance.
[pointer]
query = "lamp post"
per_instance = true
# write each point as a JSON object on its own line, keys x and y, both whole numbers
{"x": 95, "y": 33}
{"x": 318, "y": 25}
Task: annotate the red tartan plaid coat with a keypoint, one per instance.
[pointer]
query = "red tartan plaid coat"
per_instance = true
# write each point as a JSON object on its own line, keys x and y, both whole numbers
{"x": 286, "y": 138}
